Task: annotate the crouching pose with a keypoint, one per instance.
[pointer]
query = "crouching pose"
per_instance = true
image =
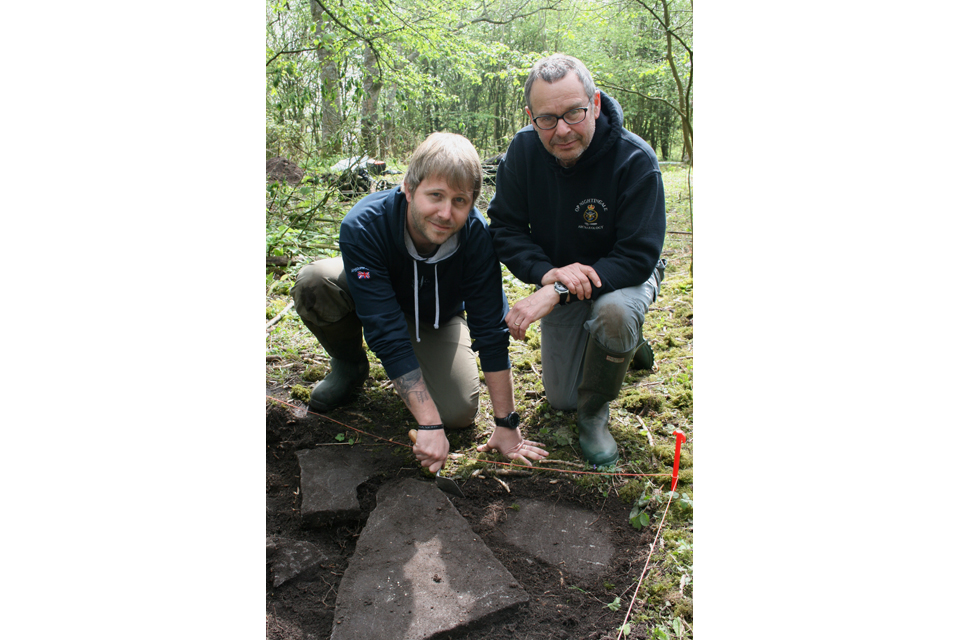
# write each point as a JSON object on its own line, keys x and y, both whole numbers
{"x": 419, "y": 278}
{"x": 579, "y": 212}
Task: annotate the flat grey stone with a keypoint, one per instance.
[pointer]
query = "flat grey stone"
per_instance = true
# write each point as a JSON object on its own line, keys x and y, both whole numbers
{"x": 418, "y": 570}
{"x": 329, "y": 477}
{"x": 572, "y": 539}
{"x": 293, "y": 559}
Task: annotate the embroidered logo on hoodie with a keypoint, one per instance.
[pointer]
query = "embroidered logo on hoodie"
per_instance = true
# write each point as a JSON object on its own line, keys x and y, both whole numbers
{"x": 363, "y": 273}
{"x": 592, "y": 210}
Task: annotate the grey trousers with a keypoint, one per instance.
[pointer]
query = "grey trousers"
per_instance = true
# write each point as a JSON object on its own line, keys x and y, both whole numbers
{"x": 447, "y": 361}
{"x": 615, "y": 320}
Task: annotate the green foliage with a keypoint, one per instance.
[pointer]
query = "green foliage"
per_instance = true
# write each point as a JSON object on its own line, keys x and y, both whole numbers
{"x": 274, "y": 307}
{"x": 639, "y": 519}
{"x": 301, "y": 220}
{"x": 376, "y": 76}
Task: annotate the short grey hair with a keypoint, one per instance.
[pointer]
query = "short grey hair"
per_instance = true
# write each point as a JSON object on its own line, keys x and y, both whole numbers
{"x": 555, "y": 67}
{"x": 449, "y": 156}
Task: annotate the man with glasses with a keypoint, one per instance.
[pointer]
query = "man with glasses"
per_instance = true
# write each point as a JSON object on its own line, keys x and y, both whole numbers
{"x": 579, "y": 212}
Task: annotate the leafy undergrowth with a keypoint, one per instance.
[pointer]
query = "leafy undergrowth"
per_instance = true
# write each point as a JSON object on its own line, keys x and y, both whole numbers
{"x": 652, "y": 406}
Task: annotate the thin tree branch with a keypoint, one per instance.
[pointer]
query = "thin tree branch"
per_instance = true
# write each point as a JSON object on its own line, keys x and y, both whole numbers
{"x": 643, "y": 95}
{"x": 666, "y": 27}
{"x": 333, "y": 17}
{"x": 516, "y": 16}
{"x": 280, "y": 53}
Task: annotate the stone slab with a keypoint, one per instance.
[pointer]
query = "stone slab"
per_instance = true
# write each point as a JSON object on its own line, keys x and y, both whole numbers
{"x": 572, "y": 539}
{"x": 293, "y": 560}
{"x": 418, "y": 570}
{"x": 329, "y": 477}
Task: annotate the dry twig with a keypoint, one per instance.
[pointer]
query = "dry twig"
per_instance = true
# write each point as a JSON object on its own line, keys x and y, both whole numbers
{"x": 277, "y": 317}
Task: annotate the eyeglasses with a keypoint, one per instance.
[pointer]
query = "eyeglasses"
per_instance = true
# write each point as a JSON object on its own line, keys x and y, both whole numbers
{"x": 574, "y": 116}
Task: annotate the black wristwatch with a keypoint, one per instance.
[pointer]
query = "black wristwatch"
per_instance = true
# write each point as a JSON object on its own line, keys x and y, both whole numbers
{"x": 511, "y": 421}
{"x": 563, "y": 292}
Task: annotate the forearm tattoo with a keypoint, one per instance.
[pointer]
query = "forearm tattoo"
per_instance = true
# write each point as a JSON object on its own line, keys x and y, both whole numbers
{"x": 411, "y": 387}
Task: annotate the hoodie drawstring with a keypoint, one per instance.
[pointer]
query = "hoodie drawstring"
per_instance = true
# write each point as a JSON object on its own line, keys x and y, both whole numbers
{"x": 416, "y": 301}
{"x": 436, "y": 296}
{"x": 416, "y": 298}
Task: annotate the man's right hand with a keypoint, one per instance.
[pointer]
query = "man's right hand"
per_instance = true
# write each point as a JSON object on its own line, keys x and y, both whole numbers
{"x": 431, "y": 448}
{"x": 578, "y": 278}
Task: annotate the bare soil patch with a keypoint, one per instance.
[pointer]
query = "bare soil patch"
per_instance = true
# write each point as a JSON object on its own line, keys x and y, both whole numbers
{"x": 561, "y": 605}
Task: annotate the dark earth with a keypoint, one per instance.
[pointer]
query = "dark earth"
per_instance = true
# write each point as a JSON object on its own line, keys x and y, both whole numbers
{"x": 561, "y": 606}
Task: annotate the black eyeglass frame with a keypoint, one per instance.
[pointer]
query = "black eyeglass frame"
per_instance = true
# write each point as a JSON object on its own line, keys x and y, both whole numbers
{"x": 564, "y": 116}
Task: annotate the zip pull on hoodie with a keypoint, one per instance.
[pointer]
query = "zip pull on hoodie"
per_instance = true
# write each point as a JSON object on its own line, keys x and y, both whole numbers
{"x": 444, "y": 251}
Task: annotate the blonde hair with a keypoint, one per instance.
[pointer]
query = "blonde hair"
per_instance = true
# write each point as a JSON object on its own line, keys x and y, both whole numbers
{"x": 449, "y": 156}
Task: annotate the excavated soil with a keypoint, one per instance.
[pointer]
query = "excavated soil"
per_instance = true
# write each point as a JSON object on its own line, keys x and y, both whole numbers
{"x": 561, "y": 606}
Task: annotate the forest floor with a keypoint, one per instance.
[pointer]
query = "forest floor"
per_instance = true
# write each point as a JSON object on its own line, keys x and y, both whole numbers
{"x": 653, "y": 405}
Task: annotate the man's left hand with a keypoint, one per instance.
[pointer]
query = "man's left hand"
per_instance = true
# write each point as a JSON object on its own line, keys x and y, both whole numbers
{"x": 527, "y": 311}
{"x": 511, "y": 444}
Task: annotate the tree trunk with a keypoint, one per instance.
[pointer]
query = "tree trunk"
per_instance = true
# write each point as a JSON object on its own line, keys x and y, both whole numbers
{"x": 371, "y": 95}
{"x": 330, "y": 120}
{"x": 683, "y": 95}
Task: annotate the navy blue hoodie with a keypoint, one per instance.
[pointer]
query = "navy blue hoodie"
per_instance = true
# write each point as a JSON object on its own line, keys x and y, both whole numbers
{"x": 606, "y": 211}
{"x": 388, "y": 280}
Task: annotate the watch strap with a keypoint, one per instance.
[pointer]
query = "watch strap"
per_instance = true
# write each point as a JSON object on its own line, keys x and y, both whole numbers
{"x": 510, "y": 421}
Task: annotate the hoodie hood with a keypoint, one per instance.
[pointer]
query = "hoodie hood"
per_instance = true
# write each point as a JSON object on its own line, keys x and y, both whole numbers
{"x": 443, "y": 252}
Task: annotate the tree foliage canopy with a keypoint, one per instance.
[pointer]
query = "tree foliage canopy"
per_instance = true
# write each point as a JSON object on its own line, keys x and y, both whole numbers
{"x": 374, "y": 77}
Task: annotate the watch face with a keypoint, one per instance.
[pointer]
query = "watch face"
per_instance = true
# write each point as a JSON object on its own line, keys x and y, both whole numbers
{"x": 510, "y": 421}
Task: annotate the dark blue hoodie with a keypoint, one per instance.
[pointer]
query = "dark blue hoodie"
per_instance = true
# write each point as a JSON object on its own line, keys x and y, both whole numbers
{"x": 389, "y": 280}
{"x": 606, "y": 211}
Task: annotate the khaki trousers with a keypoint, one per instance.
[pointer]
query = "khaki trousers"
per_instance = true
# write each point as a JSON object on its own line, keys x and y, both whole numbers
{"x": 447, "y": 361}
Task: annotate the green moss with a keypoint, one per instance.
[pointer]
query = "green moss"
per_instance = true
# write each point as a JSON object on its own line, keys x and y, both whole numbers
{"x": 683, "y": 312}
{"x": 300, "y": 392}
{"x": 683, "y": 608}
{"x": 533, "y": 339}
{"x": 682, "y": 400}
{"x": 377, "y": 372}
{"x": 632, "y": 491}
{"x": 638, "y": 400}
{"x": 666, "y": 452}
{"x": 658, "y": 587}
{"x": 274, "y": 307}
{"x": 523, "y": 363}
{"x": 314, "y": 373}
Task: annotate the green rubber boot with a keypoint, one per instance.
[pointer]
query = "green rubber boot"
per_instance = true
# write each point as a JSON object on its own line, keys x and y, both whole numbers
{"x": 349, "y": 367}
{"x": 643, "y": 358}
{"x": 603, "y": 373}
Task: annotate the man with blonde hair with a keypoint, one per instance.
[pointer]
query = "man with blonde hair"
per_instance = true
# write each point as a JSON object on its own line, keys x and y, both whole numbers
{"x": 418, "y": 277}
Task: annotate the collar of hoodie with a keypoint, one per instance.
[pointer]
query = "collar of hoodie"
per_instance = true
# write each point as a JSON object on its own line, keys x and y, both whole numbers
{"x": 445, "y": 250}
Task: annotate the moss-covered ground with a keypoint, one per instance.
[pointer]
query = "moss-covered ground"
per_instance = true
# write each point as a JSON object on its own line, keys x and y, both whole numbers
{"x": 651, "y": 407}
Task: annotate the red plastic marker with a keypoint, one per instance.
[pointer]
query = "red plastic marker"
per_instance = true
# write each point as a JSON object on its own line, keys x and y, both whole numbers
{"x": 676, "y": 458}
